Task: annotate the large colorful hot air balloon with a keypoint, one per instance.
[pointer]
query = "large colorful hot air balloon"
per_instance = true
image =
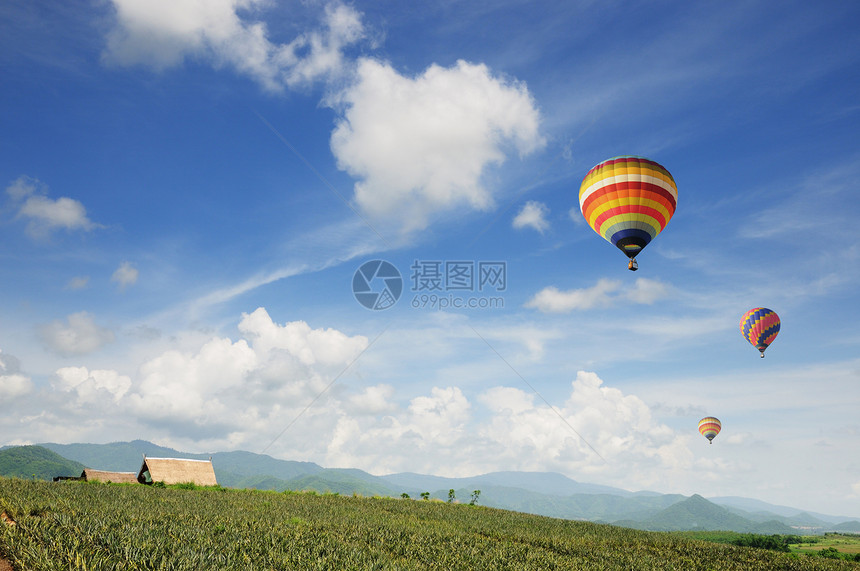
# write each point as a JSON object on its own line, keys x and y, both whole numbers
{"x": 759, "y": 326}
{"x": 710, "y": 427}
{"x": 628, "y": 200}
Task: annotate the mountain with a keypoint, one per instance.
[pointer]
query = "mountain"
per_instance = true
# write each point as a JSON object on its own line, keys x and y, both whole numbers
{"x": 752, "y": 505}
{"x": 36, "y": 462}
{"x": 542, "y": 482}
{"x": 542, "y": 493}
{"x": 847, "y": 527}
{"x": 697, "y": 513}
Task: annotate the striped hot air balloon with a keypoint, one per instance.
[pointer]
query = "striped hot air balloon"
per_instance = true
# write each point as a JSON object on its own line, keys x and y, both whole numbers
{"x": 628, "y": 200}
{"x": 710, "y": 427}
{"x": 759, "y": 326}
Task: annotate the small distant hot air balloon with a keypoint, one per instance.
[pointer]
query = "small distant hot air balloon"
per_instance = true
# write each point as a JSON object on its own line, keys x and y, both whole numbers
{"x": 759, "y": 326}
{"x": 628, "y": 200}
{"x": 710, "y": 427}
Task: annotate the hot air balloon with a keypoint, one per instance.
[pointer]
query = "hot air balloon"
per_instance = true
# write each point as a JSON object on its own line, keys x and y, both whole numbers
{"x": 759, "y": 326}
{"x": 710, "y": 427}
{"x": 628, "y": 200}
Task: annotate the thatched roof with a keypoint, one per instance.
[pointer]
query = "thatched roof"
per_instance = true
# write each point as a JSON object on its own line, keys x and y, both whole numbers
{"x": 177, "y": 471}
{"x": 91, "y": 475}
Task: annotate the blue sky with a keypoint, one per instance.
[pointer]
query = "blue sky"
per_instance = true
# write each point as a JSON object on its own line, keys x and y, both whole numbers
{"x": 188, "y": 191}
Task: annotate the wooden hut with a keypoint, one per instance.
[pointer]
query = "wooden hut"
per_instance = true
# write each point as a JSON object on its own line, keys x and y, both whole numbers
{"x": 91, "y": 475}
{"x": 177, "y": 471}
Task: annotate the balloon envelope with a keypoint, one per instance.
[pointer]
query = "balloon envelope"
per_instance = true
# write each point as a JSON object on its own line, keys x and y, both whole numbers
{"x": 628, "y": 200}
{"x": 710, "y": 427}
{"x": 759, "y": 326}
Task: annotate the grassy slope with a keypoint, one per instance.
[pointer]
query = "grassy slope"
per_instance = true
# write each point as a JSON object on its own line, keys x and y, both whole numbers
{"x": 36, "y": 462}
{"x": 97, "y": 526}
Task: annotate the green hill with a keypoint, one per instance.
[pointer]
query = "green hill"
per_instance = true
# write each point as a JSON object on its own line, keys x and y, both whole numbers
{"x": 697, "y": 513}
{"x": 36, "y": 462}
{"x": 847, "y": 527}
{"x": 97, "y": 526}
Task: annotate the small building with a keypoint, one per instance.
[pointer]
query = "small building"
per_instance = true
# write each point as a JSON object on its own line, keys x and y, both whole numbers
{"x": 91, "y": 475}
{"x": 177, "y": 471}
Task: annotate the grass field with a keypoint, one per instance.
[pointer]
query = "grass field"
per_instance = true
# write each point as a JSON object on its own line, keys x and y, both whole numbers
{"x": 844, "y": 543}
{"x": 77, "y": 525}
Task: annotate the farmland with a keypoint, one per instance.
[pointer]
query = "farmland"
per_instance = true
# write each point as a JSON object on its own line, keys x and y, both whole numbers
{"x": 80, "y": 525}
{"x": 843, "y": 543}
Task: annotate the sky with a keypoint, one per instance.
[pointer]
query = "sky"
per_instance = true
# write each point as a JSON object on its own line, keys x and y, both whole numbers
{"x": 203, "y": 203}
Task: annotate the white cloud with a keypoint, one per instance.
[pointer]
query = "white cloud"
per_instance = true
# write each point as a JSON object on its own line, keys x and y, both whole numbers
{"x": 44, "y": 214}
{"x": 324, "y": 51}
{"x": 92, "y": 386}
{"x": 444, "y": 433}
{"x": 532, "y": 215}
{"x": 602, "y": 294}
{"x": 553, "y": 300}
{"x": 192, "y": 387}
{"x": 24, "y": 186}
{"x": 373, "y": 400}
{"x": 274, "y": 370}
{"x": 421, "y": 145}
{"x": 309, "y": 346}
{"x": 163, "y": 33}
{"x": 12, "y": 383}
{"x": 125, "y": 275}
{"x": 78, "y": 336}
{"x": 15, "y": 385}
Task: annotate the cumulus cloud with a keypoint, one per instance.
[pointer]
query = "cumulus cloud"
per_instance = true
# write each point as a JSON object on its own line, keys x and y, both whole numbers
{"x": 532, "y": 215}
{"x": 125, "y": 275}
{"x": 93, "y": 386}
{"x": 372, "y": 400}
{"x": 163, "y": 33}
{"x": 192, "y": 387}
{"x": 79, "y": 335}
{"x": 443, "y": 432}
{"x": 272, "y": 369}
{"x": 420, "y": 145}
{"x": 13, "y": 384}
{"x": 602, "y": 294}
{"x": 244, "y": 392}
{"x": 44, "y": 214}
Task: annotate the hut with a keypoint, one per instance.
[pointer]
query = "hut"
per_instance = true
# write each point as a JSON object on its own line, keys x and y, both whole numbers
{"x": 177, "y": 471}
{"x": 91, "y": 475}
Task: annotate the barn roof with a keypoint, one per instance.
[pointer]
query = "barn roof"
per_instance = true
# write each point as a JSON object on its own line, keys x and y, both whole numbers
{"x": 91, "y": 475}
{"x": 177, "y": 471}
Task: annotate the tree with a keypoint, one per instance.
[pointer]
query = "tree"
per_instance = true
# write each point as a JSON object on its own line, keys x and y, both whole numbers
{"x": 475, "y": 495}
{"x": 404, "y": 495}
{"x": 425, "y": 495}
{"x": 451, "y": 497}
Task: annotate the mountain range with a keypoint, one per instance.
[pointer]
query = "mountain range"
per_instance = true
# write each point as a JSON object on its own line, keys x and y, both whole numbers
{"x": 542, "y": 493}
